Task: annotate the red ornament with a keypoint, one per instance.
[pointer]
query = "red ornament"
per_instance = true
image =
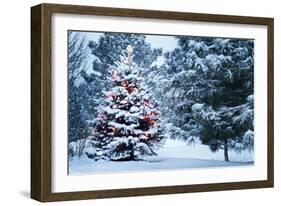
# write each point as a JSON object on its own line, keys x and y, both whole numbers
{"x": 146, "y": 117}
{"x": 125, "y": 83}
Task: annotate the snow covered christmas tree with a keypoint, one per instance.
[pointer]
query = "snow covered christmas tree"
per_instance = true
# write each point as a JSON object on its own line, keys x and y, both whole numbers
{"x": 127, "y": 127}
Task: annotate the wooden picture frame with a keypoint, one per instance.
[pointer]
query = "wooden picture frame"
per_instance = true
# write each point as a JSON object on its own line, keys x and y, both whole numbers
{"x": 41, "y": 98}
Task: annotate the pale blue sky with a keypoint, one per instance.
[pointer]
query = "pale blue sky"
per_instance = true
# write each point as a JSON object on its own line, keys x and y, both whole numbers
{"x": 168, "y": 43}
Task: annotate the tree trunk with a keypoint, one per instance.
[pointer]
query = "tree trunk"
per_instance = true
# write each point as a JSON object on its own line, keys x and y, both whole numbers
{"x": 132, "y": 154}
{"x": 226, "y": 158}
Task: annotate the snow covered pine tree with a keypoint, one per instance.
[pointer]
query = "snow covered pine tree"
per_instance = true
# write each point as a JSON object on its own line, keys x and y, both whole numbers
{"x": 127, "y": 125}
{"x": 222, "y": 76}
{"x": 208, "y": 83}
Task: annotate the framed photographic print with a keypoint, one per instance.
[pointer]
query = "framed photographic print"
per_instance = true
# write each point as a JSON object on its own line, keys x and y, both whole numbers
{"x": 130, "y": 102}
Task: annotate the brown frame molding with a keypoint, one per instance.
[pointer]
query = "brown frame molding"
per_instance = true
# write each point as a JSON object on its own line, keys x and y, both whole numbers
{"x": 41, "y": 101}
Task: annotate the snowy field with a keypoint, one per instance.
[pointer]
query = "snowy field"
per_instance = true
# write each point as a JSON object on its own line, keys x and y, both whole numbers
{"x": 174, "y": 155}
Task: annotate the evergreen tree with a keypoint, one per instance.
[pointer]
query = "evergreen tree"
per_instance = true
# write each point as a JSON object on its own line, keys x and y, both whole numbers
{"x": 127, "y": 126}
{"x": 209, "y": 86}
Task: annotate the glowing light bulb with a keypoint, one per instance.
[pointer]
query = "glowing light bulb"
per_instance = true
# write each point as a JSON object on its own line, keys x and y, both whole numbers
{"x": 129, "y": 49}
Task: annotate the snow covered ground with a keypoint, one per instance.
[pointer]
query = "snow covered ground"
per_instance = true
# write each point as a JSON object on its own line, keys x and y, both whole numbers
{"x": 174, "y": 155}
{"x": 176, "y": 148}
